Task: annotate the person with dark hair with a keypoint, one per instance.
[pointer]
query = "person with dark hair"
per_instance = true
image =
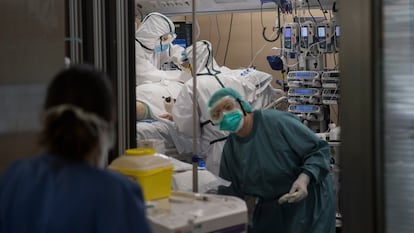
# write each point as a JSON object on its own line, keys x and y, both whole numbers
{"x": 66, "y": 189}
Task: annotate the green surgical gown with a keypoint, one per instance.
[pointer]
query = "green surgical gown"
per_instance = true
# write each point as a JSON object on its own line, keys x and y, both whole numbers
{"x": 267, "y": 162}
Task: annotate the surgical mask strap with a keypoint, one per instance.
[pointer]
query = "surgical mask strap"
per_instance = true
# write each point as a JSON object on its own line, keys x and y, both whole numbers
{"x": 145, "y": 47}
{"x": 241, "y": 106}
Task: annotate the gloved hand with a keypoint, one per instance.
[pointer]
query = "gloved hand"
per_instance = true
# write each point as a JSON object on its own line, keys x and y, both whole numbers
{"x": 298, "y": 191}
{"x": 168, "y": 104}
{"x": 176, "y": 53}
{"x": 184, "y": 57}
{"x": 185, "y": 63}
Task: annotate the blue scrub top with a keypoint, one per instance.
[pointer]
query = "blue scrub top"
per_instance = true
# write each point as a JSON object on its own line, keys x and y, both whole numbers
{"x": 46, "y": 194}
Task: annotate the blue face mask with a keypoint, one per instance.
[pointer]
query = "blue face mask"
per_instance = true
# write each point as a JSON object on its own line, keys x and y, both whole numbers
{"x": 161, "y": 48}
{"x": 232, "y": 121}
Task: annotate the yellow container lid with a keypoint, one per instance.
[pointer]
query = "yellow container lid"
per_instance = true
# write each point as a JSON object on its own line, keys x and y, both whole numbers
{"x": 139, "y": 163}
{"x": 141, "y": 151}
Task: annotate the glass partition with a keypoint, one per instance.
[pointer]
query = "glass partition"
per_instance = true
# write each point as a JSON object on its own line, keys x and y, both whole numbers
{"x": 398, "y": 81}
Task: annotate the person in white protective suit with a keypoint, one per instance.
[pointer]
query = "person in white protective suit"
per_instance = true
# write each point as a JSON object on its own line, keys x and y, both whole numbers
{"x": 154, "y": 50}
{"x": 253, "y": 85}
{"x": 155, "y": 85}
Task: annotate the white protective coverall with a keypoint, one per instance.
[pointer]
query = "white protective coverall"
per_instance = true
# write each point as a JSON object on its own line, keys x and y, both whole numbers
{"x": 253, "y": 85}
{"x": 155, "y": 85}
{"x": 148, "y": 61}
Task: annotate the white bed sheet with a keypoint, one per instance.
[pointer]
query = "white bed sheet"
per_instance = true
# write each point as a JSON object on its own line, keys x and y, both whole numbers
{"x": 164, "y": 130}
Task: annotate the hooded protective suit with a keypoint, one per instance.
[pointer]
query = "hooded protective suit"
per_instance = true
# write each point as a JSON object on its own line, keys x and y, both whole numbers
{"x": 154, "y": 85}
{"x": 149, "y": 62}
{"x": 254, "y": 86}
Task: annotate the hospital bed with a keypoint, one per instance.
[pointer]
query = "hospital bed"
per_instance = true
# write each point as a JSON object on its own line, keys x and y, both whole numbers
{"x": 153, "y": 94}
{"x": 174, "y": 143}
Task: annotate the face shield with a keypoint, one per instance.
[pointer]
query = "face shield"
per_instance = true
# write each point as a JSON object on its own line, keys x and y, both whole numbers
{"x": 163, "y": 43}
{"x": 225, "y": 105}
{"x": 227, "y": 115}
{"x": 231, "y": 93}
{"x": 154, "y": 30}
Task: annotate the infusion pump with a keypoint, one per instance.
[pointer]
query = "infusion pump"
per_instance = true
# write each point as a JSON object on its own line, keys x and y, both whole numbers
{"x": 325, "y": 35}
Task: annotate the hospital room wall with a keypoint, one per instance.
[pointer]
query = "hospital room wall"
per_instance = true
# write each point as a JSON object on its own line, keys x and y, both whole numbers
{"x": 31, "y": 51}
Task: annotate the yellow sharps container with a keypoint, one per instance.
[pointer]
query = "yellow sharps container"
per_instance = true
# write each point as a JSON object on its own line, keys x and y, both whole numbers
{"x": 152, "y": 172}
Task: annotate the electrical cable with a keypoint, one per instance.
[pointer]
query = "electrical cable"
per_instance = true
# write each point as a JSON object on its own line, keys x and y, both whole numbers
{"x": 330, "y": 14}
{"x": 251, "y": 35}
{"x": 323, "y": 11}
{"x": 264, "y": 28}
{"x": 209, "y": 28}
{"x": 197, "y": 29}
{"x": 228, "y": 39}
{"x": 218, "y": 34}
{"x": 258, "y": 52}
{"x": 327, "y": 39}
{"x": 314, "y": 20}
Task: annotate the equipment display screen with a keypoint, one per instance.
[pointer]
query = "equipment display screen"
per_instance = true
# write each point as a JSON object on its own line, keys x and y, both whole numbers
{"x": 306, "y": 108}
{"x": 337, "y": 30}
{"x": 301, "y": 91}
{"x": 303, "y": 74}
{"x": 321, "y": 32}
{"x": 181, "y": 42}
{"x": 288, "y": 32}
{"x": 304, "y": 31}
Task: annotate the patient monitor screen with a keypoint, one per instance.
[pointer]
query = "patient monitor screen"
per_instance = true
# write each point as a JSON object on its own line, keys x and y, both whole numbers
{"x": 181, "y": 42}
{"x": 304, "y": 37}
{"x": 288, "y": 39}
{"x": 304, "y": 32}
{"x": 183, "y": 30}
{"x": 337, "y": 35}
{"x": 322, "y": 37}
{"x": 321, "y": 32}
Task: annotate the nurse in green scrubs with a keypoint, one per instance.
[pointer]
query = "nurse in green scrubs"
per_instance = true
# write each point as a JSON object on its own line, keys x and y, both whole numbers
{"x": 273, "y": 159}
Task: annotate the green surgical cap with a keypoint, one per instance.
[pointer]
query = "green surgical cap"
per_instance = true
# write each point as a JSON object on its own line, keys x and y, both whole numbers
{"x": 218, "y": 95}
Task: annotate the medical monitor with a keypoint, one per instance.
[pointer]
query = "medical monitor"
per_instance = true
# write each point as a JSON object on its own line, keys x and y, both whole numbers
{"x": 288, "y": 32}
{"x": 304, "y": 31}
{"x": 183, "y": 30}
{"x": 304, "y": 37}
{"x": 337, "y": 36}
{"x": 337, "y": 30}
{"x": 288, "y": 38}
{"x": 321, "y": 31}
{"x": 181, "y": 42}
{"x": 322, "y": 37}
